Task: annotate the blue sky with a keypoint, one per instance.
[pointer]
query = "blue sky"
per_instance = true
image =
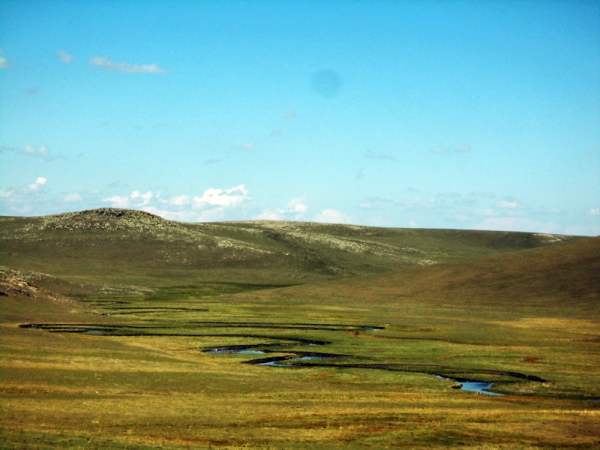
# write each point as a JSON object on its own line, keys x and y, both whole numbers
{"x": 413, "y": 114}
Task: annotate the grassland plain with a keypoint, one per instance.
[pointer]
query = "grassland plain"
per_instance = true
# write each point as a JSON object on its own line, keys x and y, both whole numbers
{"x": 118, "y": 307}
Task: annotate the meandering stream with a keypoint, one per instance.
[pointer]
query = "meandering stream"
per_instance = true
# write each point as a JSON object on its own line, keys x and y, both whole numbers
{"x": 295, "y": 359}
{"x": 280, "y": 351}
{"x": 477, "y": 387}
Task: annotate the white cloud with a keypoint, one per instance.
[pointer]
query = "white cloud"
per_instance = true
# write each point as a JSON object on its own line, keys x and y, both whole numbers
{"x": 296, "y": 208}
{"x": 595, "y": 212}
{"x": 221, "y": 197}
{"x": 38, "y": 183}
{"x": 41, "y": 151}
{"x": 182, "y": 216}
{"x": 135, "y": 199}
{"x": 6, "y": 193}
{"x": 269, "y": 214}
{"x": 297, "y": 205}
{"x": 117, "y": 201}
{"x": 213, "y": 204}
{"x": 179, "y": 200}
{"x": 247, "y": 146}
{"x": 509, "y": 204}
{"x": 140, "y": 198}
{"x": 369, "y": 204}
{"x": 72, "y": 198}
{"x": 3, "y": 61}
{"x": 108, "y": 64}
{"x": 382, "y": 156}
{"x": 187, "y": 215}
{"x": 456, "y": 149}
{"x": 26, "y": 198}
{"x": 64, "y": 56}
{"x": 331, "y": 216}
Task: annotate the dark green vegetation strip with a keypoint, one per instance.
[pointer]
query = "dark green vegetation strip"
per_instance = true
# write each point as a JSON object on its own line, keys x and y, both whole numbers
{"x": 292, "y": 358}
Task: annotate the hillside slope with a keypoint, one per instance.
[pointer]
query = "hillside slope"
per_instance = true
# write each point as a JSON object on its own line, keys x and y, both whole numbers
{"x": 561, "y": 280}
{"x": 568, "y": 272}
{"x": 113, "y": 244}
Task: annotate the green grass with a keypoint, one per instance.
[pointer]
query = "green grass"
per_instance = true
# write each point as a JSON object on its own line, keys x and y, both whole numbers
{"x": 493, "y": 303}
{"x": 134, "y": 248}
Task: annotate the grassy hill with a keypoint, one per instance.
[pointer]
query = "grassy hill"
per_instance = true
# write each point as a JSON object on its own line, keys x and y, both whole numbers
{"x": 124, "y": 330}
{"x": 115, "y": 245}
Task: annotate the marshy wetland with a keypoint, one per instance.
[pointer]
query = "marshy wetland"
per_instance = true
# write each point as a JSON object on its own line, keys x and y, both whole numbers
{"x": 496, "y": 347}
{"x": 282, "y": 349}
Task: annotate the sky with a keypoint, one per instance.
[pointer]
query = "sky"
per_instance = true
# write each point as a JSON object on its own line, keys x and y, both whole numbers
{"x": 428, "y": 114}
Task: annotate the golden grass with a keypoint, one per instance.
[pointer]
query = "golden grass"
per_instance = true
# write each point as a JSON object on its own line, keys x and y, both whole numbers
{"x": 72, "y": 390}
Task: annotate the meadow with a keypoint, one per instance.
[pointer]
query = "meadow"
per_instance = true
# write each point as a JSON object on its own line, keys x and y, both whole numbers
{"x": 122, "y": 330}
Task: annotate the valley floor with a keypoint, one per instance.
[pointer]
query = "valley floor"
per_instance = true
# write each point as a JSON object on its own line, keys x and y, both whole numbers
{"x": 139, "y": 378}
{"x": 119, "y": 329}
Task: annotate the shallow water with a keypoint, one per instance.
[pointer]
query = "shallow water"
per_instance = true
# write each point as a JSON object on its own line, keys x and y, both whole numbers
{"x": 288, "y": 361}
{"x": 276, "y": 363}
{"x": 236, "y": 351}
{"x": 283, "y": 346}
{"x": 249, "y": 351}
{"x": 95, "y": 332}
{"x": 477, "y": 387}
{"x": 312, "y": 357}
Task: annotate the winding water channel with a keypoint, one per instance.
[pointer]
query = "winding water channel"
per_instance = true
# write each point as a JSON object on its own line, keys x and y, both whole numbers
{"x": 297, "y": 358}
{"x": 280, "y": 351}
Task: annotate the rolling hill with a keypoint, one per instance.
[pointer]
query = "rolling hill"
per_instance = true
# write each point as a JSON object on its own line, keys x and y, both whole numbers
{"x": 124, "y": 330}
{"x": 108, "y": 245}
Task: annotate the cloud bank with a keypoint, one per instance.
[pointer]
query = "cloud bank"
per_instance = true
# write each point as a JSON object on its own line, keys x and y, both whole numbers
{"x": 123, "y": 67}
{"x": 212, "y": 204}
